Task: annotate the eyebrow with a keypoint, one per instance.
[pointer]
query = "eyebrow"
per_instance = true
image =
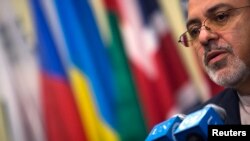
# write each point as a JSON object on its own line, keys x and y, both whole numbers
{"x": 192, "y": 21}
{"x": 209, "y": 12}
{"x": 215, "y": 8}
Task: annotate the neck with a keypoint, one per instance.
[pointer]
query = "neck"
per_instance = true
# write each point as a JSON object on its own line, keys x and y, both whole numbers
{"x": 244, "y": 98}
{"x": 243, "y": 87}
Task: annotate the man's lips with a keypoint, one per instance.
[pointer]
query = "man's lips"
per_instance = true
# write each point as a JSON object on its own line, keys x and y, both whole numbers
{"x": 214, "y": 55}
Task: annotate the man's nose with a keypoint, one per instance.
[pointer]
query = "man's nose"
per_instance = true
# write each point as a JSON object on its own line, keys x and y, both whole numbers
{"x": 206, "y": 35}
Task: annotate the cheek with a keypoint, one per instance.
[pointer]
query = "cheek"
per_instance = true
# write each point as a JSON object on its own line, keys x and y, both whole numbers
{"x": 241, "y": 38}
{"x": 245, "y": 44}
{"x": 241, "y": 45}
{"x": 243, "y": 51}
{"x": 199, "y": 53}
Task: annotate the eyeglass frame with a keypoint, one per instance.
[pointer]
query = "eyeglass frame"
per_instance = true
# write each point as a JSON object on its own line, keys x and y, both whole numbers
{"x": 206, "y": 27}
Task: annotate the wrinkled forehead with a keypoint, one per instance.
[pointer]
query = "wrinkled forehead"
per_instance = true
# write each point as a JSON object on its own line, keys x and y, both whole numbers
{"x": 200, "y": 7}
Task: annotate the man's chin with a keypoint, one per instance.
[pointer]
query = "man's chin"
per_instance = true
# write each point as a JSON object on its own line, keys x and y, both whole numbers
{"x": 220, "y": 77}
{"x": 224, "y": 79}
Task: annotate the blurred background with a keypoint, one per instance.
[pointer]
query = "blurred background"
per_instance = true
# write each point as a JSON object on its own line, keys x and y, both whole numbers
{"x": 94, "y": 70}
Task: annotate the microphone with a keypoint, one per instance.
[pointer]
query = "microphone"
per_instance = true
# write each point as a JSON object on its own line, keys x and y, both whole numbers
{"x": 165, "y": 131}
{"x": 195, "y": 125}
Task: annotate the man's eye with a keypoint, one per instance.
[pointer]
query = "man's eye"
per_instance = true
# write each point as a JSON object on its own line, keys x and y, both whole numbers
{"x": 194, "y": 32}
{"x": 221, "y": 17}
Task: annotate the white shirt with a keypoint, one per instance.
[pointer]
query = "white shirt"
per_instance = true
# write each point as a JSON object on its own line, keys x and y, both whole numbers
{"x": 244, "y": 105}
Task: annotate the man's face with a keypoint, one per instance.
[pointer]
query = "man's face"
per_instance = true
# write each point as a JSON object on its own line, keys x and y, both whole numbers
{"x": 225, "y": 51}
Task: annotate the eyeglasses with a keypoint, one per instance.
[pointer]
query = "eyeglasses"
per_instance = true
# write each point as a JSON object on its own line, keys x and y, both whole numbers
{"x": 216, "y": 22}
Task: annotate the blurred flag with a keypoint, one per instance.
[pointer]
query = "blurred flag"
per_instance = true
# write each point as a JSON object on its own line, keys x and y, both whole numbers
{"x": 91, "y": 70}
{"x": 158, "y": 71}
{"x": 25, "y": 119}
{"x": 62, "y": 119}
{"x": 143, "y": 68}
{"x": 171, "y": 70}
{"x": 141, "y": 65}
{"x": 126, "y": 99}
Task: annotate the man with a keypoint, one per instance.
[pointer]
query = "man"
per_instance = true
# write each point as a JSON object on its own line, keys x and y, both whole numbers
{"x": 219, "y": 32}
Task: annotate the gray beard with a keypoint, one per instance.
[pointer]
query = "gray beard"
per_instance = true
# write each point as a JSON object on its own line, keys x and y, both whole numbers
{"x": 236, "y": 72}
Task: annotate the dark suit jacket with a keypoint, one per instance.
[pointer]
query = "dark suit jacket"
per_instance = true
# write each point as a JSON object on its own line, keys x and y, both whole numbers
{"x": 229, "y": 100}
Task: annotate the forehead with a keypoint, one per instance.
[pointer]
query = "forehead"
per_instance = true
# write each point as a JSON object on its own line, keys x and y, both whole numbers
{"x": 199, "y": 8}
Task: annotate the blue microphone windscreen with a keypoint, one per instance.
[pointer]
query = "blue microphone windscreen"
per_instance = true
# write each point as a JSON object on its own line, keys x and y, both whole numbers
{"x": 196, "y": 124}
{"x": 165, "y": 131}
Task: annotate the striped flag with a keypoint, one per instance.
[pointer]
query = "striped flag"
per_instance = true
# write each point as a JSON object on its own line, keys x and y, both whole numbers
{"x": 141, "y": 48}
{"x": 60, "y": 111}
{"x": 127, "y": 101}
{"x": 168, "y": 60}
{"x": 159, "y": 73}
{"x": 91, "y": 70}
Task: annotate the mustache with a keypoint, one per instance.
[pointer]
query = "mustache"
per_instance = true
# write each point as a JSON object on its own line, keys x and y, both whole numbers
{"x": 213, "y": 47}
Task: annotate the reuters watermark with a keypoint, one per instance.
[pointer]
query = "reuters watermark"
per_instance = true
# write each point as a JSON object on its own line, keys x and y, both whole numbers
{"x": 241, "y": 132}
